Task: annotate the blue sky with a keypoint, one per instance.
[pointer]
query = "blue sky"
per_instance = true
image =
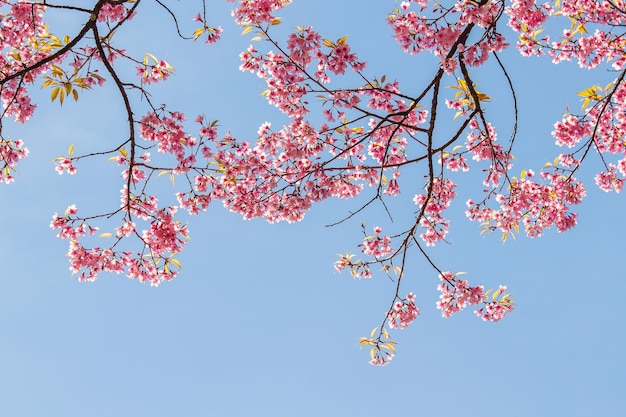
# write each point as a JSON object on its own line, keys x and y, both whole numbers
{"x": 258, "y": 323}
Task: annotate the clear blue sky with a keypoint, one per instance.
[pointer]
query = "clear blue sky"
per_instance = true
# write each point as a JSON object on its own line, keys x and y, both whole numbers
{"x": 258, "y": 323}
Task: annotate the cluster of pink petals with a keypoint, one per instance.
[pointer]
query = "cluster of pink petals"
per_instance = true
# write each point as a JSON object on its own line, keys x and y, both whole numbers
{"x": 537, "y": 205}
{"x": 213, "y": 34}
{"x": 376, "y": 245}
{"x": 497, "y": 308}
{"x": 22, "y": 23}
{"x": 10, "y": 153}
{"x": 254, "y": 12}
{"x": 162, "y": 240}
{"x": 481, "y": 145}
{"x": 167, "y": 130}
{"x": 65, "y": 165}
{"x": 113, "y": 13}
{"x": 403, "y": 312}
{"x": 433, "y": 204}
{"x": 439, "y": 32}
{"x": 574, "y": 42}
{"x": 286, "y": 76}
{"x": 603, "y": 126}
{"x": 154, "y": 73}
{"x": 456, "y": 294}
{"x": 165, "y": 235}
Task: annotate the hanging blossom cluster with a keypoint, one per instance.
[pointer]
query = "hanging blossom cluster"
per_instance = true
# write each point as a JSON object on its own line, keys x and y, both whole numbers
{"x": 439, "y": 196}
{"x": 10, "y": 153}
{"x": 403, "y": 312}
{"x": 456, "y": 294}
{"x": 537, "y": 206}
{"x": 257, "y": 11}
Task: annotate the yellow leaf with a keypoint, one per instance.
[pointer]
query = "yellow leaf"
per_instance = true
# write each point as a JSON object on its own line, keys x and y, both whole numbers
{"x": 373, "y": 331}
{"x": 75, "y": 95}
{"x": 276, "y": 21}
{"x": 247, "y": 29}
{"x": 390, "y": 347}
{"x": 373, "y": 353}
{"x": 54, "y": 93}
{"x": 328, "y": 43}
{"x": 197, "y": 33}
{"x": 123, "y": 151}
{"x": 70, "y": 151}
{"x": 585, "y": 103}
{"x": 149, "y": 55}
{"x": 342, "y": 40}
{"x": 160, "y": 174}
{"x": 176, "y": 262}
{"x": 106, "y": 235}
{"x": 256, "y": 39}
{"x": 365, "y": 341}
{"x": 172, "y": 178}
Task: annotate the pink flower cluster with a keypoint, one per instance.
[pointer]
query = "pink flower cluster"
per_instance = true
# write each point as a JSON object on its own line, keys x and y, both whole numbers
{"x": 22, "y": 24}
{"x": 286, "y": 75}
{"x": 403, "y": 312}
{"x": 113, "y": 13}
{"x": 481, "y": 145}
{"x": 213, "y": 34}
{"x": 254, "y": 12}
{"x": 165, "y": 235}
{"x": 64, "y": 164}
{"x": 167, "y": 131}
{"x": 440, "y": 193}
{"x": 538, "y": 206}
{"x": 10, "y": 153}
{"x": 603, "y": 126}
{"x": 416, "y": 32}
{"x": 575, "y": 41}
{"x": 456, "y": 294}
{"x": 376, "y": 245}
{"x": 162, "y": 241}
{"x": 496, "y": 308}
{"x": 153, "y": 73}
